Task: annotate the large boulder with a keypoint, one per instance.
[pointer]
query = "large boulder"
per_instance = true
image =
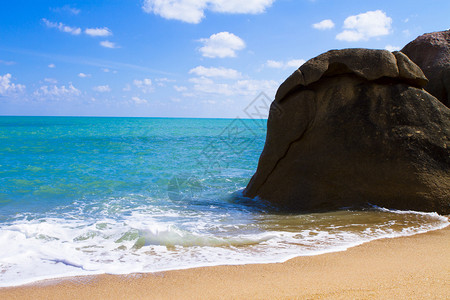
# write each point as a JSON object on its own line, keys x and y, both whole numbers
{"x": 431, "y": 52}
{"x": 352, "y": 127}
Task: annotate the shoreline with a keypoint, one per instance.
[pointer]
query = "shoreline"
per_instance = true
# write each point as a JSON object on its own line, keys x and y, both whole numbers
{"x": 416, "y": 266}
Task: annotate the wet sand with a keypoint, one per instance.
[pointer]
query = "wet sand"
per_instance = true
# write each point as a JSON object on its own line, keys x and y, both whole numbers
{"x": 416, "y": 267}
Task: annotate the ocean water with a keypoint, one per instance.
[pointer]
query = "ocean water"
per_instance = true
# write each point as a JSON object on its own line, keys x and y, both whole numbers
{"x": 83, "y": 196}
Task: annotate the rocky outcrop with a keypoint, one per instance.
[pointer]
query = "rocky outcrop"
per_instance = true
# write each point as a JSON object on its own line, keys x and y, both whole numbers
{"x": 351, "y": 127}
{"x": 431, "y": 52}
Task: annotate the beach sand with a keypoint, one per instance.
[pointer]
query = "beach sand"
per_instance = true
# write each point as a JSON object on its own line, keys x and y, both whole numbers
{"x": 415, "y": 267}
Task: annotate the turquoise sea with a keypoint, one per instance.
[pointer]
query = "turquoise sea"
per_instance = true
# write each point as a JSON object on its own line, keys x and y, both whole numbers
{"x": 86, "y": 195}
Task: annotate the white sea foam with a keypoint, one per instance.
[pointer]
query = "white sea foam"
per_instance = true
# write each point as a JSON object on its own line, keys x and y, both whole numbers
{"x": 158, "y": 240}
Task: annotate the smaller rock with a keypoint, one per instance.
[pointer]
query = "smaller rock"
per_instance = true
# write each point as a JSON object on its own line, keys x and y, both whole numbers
{"x": 431, "y": 52}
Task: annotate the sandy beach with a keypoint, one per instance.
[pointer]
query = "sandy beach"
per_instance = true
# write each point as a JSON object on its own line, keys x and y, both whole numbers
{"x": 415, "y": 267}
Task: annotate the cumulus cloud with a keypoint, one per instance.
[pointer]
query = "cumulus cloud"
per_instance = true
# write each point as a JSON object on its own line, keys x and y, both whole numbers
{"x": 138, "y": 100}
{"x": 324, "y": 25}
{"x": 8, "y": 88}
{"x": 190, "y": 11}
{"x": 108, "y": 44}
{"x": 62, "y": 27}
{"x": 392, "y": 48}
{"x": 193, "y": 11}
{"x": 253, "y": 87}
{"x": 222, "y": 44}
{"x": 51, "y": 66}
{"x": 293, "y": 63}
{"x": 83, "y": 75}
{"x": 105, "y": 31}
{"x": 57, "y": 92}
{"x": 102, "y": 88}
{"x": 207, "y": 85}
{"x": 215, "y": 72}
{"x": 365, "y": 26}
{"x": 144, "y": 85}
{"x": 248, "y": 87}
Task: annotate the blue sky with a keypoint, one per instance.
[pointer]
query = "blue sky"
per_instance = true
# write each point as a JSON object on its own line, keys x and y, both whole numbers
{"x": 182, "y": 58}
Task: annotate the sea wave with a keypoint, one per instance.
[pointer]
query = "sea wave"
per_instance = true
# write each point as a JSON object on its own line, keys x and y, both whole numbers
{"x": 149, "y": 239}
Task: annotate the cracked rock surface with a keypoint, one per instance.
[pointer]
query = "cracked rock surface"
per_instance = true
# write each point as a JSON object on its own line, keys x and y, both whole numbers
{"x": 352, "y": 127}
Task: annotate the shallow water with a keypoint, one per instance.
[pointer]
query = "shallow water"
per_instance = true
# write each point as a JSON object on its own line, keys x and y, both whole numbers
{"x": 121, "y": 195}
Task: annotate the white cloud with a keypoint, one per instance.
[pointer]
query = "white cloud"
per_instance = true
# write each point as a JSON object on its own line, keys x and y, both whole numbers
{"x": 163, "y": 81}
{"x": 54, "y": 92}
{"x": 201, "y": 80}
{"x": 239, "y": 6}
{"x": 275, "y": 64}
{"x": 392, "y": 48}
{"x": 193, "y": 11}
{"x": 207, "y": 85}
{"x": 180, "y": 88}
{"x": 190, "y": 11}
{"x": 105, "y": 31}
{"x": 61, "y": 27}
{"x": 365, "y": 26}
{"x": 94, "y": 32}
{"x": 51, "y": 66}
{"x": 324, "y": 25}
{"x": 248, "y": 87}
{"x": 102, "y": 88}
{"x": 8, "y": 88}
{"x": 83, "y": 75}
{"x": 138, "y": 100}
{"x": 108, "y": 44}
{"x": 253, "y": 87}
{"x": 144, "y": 85}
{"x": 215, "y": 72}
{"x": 51, "y": 80}
{"x": 293, "y": 63}
{"x": 222, "y": 44}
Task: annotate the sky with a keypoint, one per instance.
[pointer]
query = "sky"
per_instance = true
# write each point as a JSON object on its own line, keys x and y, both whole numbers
{"x": 182, "y": 58}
